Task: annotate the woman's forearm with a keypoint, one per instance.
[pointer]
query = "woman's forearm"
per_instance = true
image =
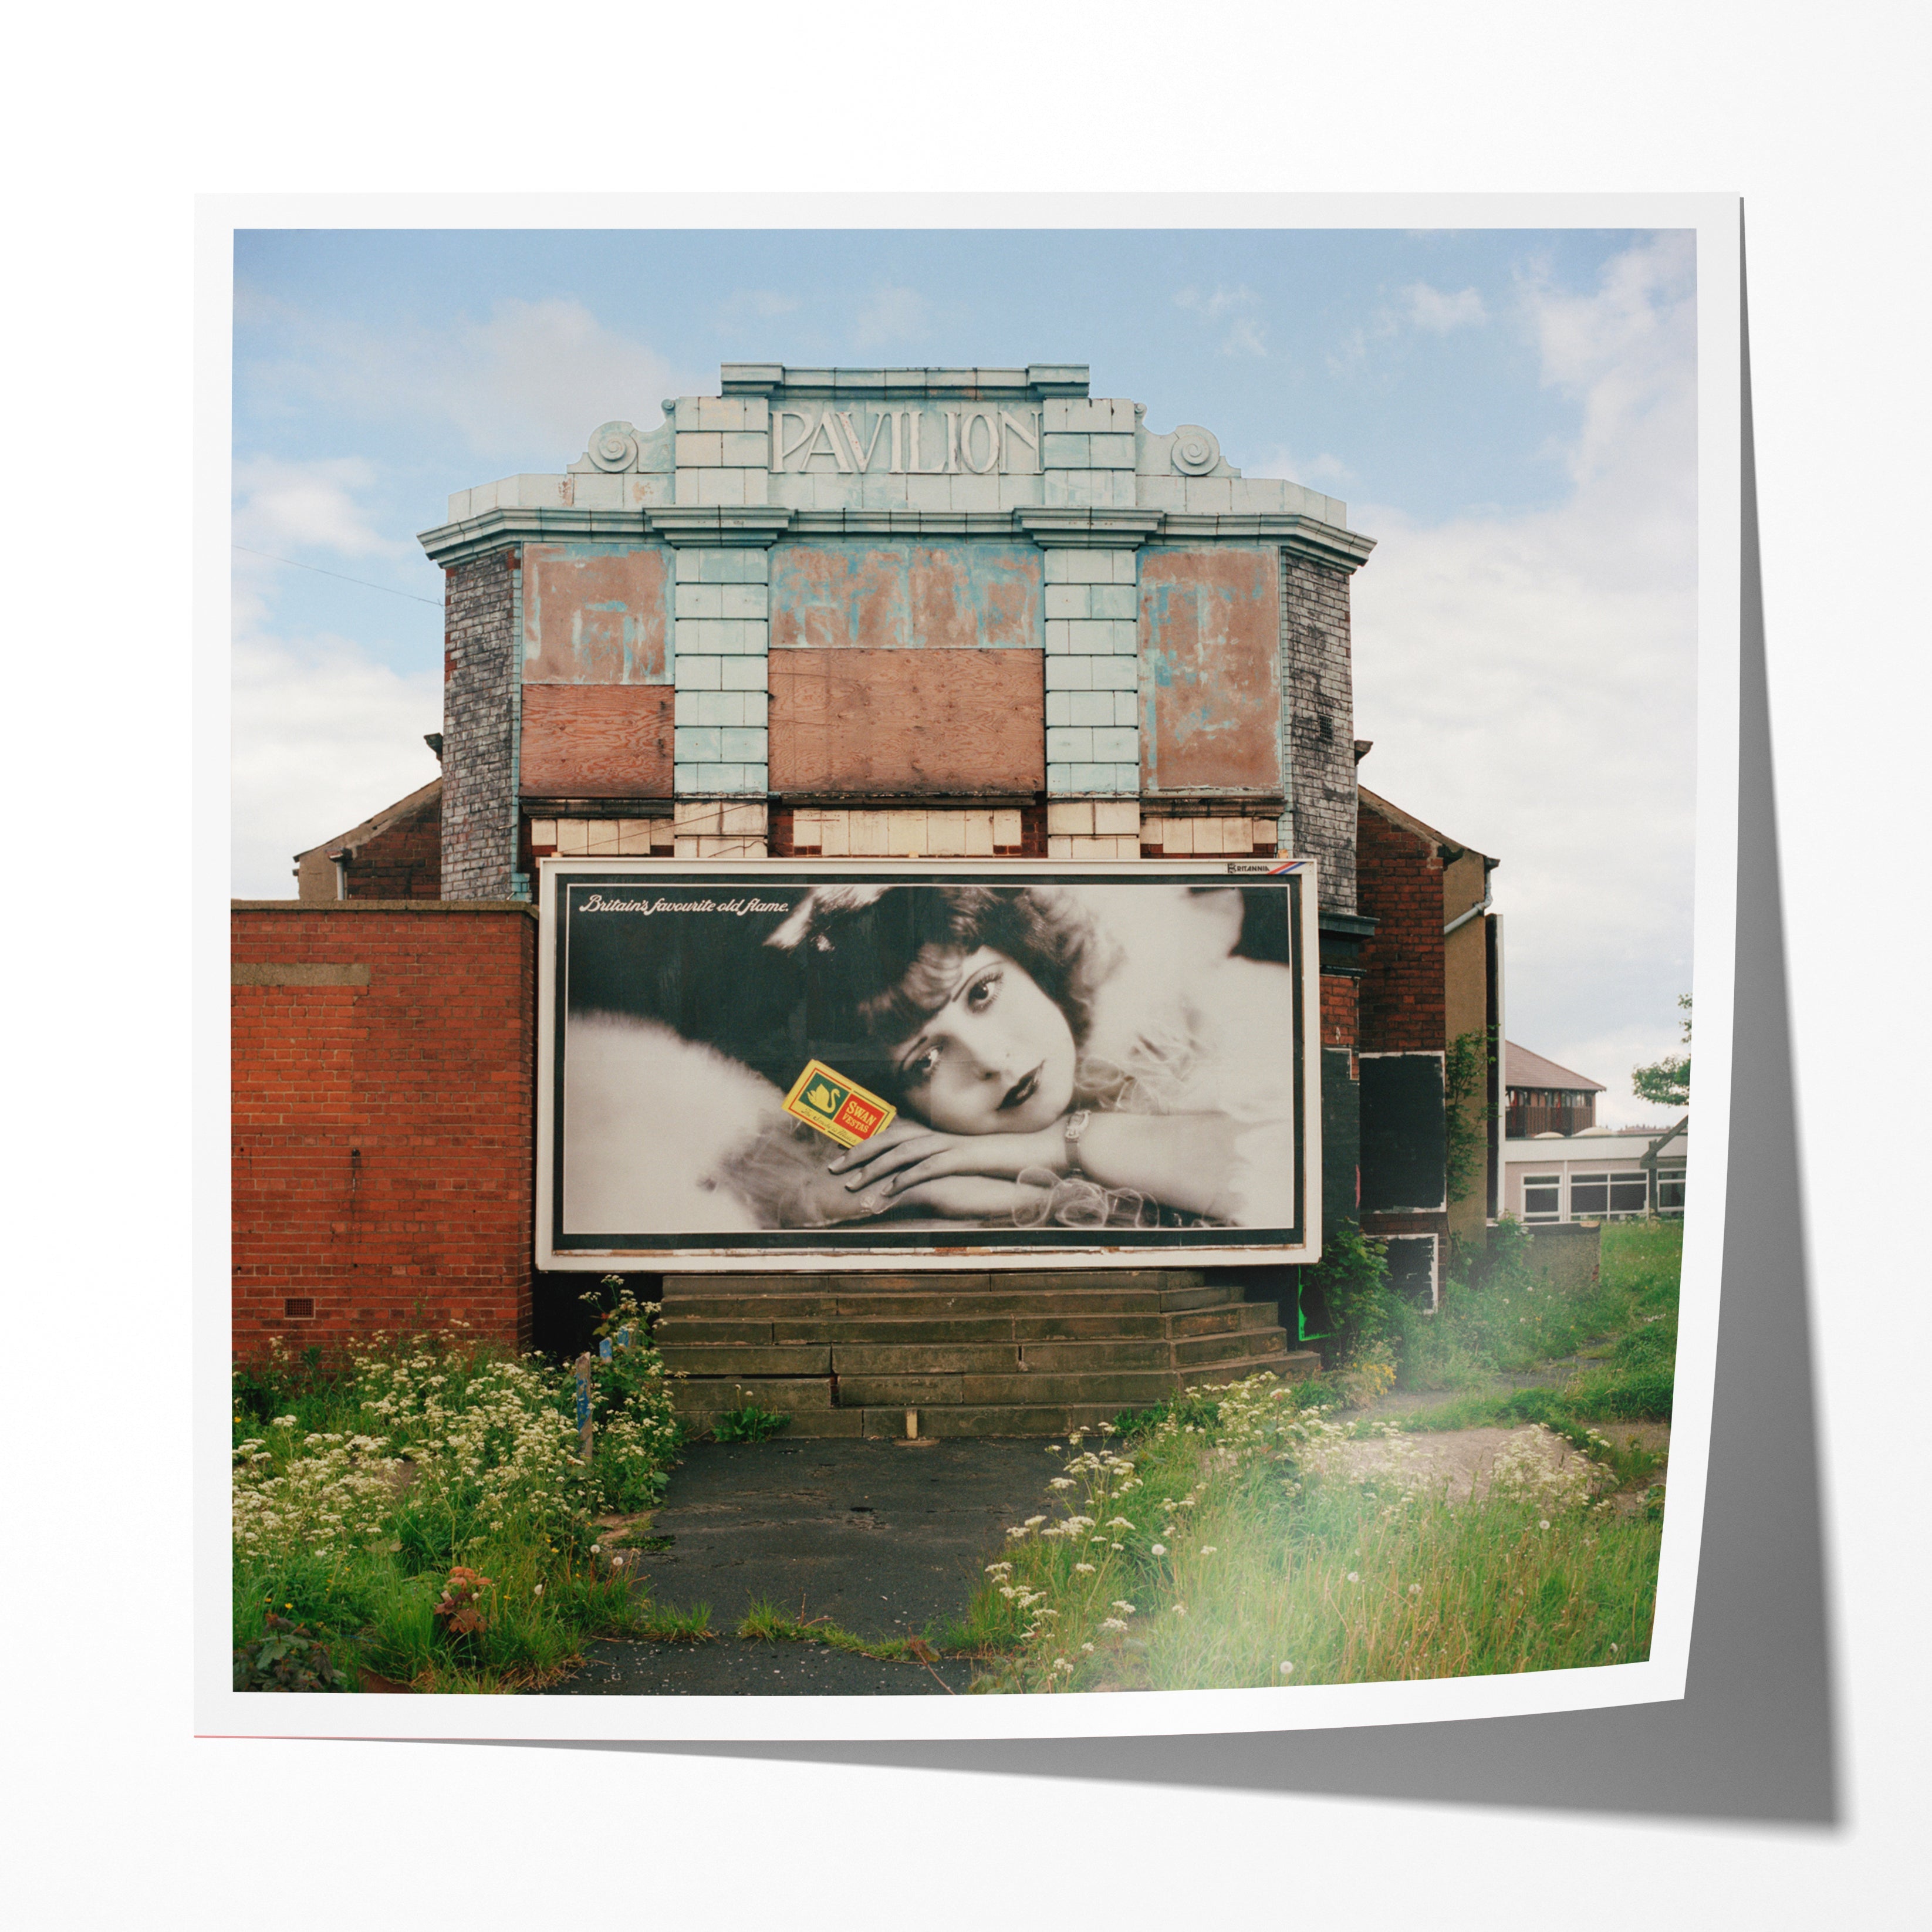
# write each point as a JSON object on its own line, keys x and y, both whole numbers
{"x": 1184, "y": 1160}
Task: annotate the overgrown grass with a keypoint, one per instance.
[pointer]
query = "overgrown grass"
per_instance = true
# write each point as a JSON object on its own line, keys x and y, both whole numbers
{"x": 361, "y": 1483}
{"x": 1504, "y": 1315}
{"x": 1227, "y": 1545}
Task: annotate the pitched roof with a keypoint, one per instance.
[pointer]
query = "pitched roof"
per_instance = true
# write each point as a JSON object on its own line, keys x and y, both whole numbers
{"x": 359, "y": 836}
{"x": 1522, "y": 1068}
{"x": 1410, "y": 823}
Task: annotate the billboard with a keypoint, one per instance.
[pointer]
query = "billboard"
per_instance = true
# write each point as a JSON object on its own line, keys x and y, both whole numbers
{"x": 780, "y": 1064}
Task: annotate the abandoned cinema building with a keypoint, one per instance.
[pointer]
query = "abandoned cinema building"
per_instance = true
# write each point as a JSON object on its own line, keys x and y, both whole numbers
{"x": 944, "y": 613}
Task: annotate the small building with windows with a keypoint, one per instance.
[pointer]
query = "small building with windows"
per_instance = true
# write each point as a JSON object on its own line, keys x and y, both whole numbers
{"x": 1601, "y": 1173}
{"x": 1543, "y": 1098}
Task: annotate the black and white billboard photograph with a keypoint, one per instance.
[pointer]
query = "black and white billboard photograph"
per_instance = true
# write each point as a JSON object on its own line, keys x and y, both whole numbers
{"x": 862, "y": 1059}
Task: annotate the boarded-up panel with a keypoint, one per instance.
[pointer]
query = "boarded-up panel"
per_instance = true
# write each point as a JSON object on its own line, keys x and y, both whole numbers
{"x": 952, "y": 723}
{"x": 1404, "y": 1145}
{"x": 1210, "y": 675}
{"x": 902, "y": 595}
{"x": 596, "y": 616}
{"x": 596, "y": 741}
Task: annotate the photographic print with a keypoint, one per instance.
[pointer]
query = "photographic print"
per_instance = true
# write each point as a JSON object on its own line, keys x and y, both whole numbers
{"x": 963, "y": 963}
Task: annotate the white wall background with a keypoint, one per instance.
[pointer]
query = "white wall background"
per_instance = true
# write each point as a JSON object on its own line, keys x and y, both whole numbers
{"x": 118, "y": 1814}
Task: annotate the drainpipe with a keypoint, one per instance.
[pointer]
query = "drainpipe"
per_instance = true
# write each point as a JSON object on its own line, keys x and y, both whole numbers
{"x": 1462, "y": 918}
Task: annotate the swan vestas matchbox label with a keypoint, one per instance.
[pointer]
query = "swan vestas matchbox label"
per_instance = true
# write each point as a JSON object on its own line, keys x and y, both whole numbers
{"x": 832, "y": 1104}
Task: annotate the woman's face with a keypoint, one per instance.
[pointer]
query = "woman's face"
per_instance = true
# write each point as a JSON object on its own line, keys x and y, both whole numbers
{"x": 997, "y": 1058}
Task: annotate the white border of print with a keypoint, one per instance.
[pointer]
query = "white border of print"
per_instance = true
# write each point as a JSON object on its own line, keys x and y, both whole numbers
{"x": 961, "y": 1251}
{"x": 221, "y": 1711}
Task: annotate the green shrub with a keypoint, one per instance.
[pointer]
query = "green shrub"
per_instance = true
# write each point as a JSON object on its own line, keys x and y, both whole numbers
{"x": 636, "y": 1433}
{"x": 1349, "y": 1286}
{"x": 287, "y": 1656}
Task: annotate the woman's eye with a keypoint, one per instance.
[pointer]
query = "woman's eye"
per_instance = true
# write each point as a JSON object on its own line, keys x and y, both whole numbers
{"x": 921, "y": 1070}
{"x": 983, "y": 990}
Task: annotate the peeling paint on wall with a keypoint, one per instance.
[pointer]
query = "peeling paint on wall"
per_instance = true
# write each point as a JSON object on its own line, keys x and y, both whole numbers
{"x": 594, "y": 613}
{"x": 1210, "y": 690}
{"x": 897, "y": 595}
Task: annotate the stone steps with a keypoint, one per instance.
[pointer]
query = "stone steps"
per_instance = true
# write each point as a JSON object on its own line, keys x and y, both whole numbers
{"x": 994, "y": 1354}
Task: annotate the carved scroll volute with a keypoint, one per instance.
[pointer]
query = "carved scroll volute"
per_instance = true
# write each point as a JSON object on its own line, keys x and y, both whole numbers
{"x": 614, "y": 447}
{"x": 1196, "y": 451}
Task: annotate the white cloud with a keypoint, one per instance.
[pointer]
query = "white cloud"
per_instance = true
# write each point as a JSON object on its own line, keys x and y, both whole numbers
{"x": 1429, "y": 308}
{"x": 321, "y": 737}
{"x": 1529, "y": 681}
{"x": 1245, "y": 334}
{"x": 543, "y": 375}
{"x": 890, "y": 314}
{"x": 528, "y": 383}
{"x": 281, "y": 505}
{"x": 1322, "y": 471}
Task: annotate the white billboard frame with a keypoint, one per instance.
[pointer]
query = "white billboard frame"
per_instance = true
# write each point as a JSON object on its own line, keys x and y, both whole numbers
{"x": 815, "y": 1250}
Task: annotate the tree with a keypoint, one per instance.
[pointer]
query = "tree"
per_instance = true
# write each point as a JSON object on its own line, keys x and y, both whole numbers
{"x": 1667, "y": 1081}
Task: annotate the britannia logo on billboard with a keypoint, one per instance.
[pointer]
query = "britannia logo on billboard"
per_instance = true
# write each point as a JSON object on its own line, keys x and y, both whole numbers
{"x": 866, "y": 1063}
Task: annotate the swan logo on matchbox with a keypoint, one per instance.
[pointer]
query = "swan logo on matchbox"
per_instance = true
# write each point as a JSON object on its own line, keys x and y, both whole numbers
{"x": 826, "y": 1099}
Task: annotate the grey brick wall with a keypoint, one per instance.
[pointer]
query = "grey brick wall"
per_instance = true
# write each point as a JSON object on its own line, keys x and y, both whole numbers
{"x": 1319, "y": 722}
{"x": 480, "y": 668}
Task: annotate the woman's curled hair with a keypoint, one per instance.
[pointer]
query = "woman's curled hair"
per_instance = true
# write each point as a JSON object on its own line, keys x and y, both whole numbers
{"x": 877, "y": 964}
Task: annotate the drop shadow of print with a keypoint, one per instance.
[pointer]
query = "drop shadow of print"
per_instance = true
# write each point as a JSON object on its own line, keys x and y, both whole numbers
{"x": 1756, "y": 1736}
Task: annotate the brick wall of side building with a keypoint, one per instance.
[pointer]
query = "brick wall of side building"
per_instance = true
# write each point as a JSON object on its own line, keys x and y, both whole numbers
{"x": 1403, "y": 1016}
{"x": 481, "y": 686}
{"x": 1318, "y": 723}
{"x": 383, "y": 1120}
{"x": 403, "y": 861}
{"x": 1399, "y": 885}
{"x": 1339, "y": 1020}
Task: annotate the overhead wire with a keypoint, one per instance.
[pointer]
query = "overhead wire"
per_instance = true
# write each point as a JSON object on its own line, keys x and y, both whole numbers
{"x": 436, "y": 602}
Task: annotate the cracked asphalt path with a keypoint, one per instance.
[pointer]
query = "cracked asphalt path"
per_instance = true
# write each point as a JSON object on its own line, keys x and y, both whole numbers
{"x": 884, "y": 1540}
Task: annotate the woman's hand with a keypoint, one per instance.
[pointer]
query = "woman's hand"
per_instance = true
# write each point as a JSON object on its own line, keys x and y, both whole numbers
{"x": 968, "y": 1197}
{"x": 909, "y": 1155}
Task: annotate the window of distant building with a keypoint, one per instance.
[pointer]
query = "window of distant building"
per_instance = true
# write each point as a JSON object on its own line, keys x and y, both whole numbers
{"x": 1609, "y": 1196}
{"x": 1543, "y": 1197}
{"x": 1670, "y": 1190}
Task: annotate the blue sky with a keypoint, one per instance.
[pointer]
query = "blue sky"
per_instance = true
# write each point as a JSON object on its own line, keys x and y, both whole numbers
{"x": 1510, "y": 413}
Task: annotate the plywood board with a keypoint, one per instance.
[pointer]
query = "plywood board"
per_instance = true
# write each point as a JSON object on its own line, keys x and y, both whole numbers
{"x": 596, "y": 741}
{"x": 891, "y": 722}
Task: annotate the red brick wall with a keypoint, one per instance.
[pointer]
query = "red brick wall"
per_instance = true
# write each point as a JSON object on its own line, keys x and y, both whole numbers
{"x": 1340, "y": 1016}
{"x": 382, "y": 1129}
{"x": 404, "y": 862}
{"x": 1338, "y": 1010}
{"x": 1399, "y": 882}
